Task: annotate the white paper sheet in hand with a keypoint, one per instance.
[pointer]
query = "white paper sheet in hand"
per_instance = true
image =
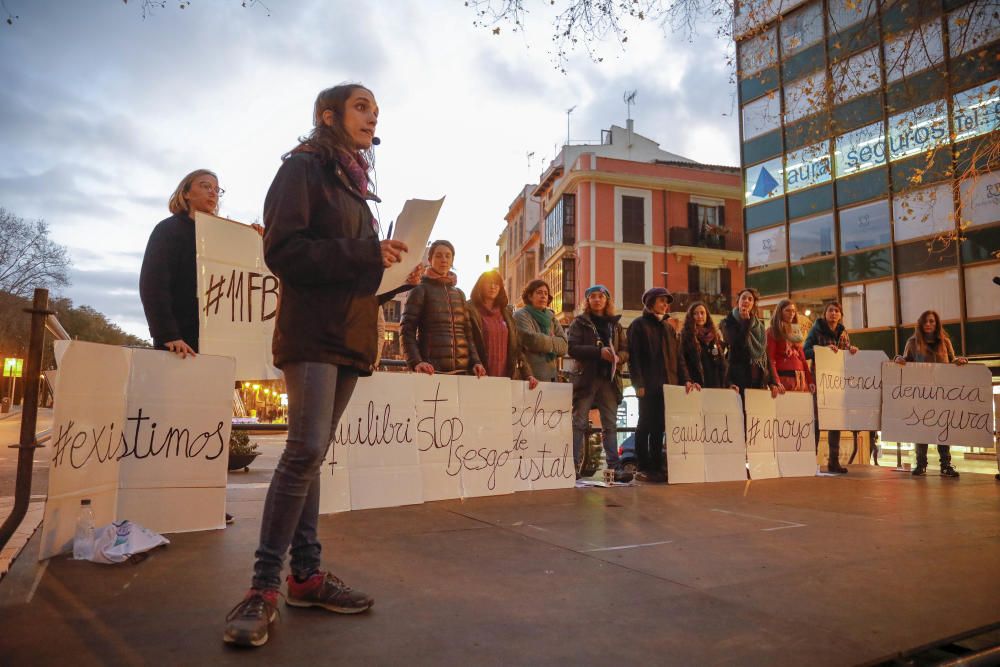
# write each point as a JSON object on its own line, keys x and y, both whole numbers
{"x": 413, "y": 227}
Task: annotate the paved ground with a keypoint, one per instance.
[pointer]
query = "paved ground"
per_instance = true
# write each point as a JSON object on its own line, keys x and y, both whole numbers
{"x": 796, "y": 571}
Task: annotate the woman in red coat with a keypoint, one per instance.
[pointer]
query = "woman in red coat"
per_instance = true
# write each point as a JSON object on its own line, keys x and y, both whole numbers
{"x": 785, "y": 352}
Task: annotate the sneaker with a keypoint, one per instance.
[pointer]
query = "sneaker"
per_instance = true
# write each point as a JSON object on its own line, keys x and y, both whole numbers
{"x": 325, "y": 590}
{"x": 836, "y": 468}
{"x": 651, "y": 477}
{"x": 948, "y": 471}
{"x": 919, "y": 471}
{"x": 229, "y": 519}
{"x": 623, "y": 476}
{"x": 247, "y": 624}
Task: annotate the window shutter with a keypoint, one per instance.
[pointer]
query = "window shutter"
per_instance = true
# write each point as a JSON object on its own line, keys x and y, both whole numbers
{"x": 722, "y": 216}
{"x": 693, "y": 217}
{"x": 693, "y": 286}
{"x": 725, "y": 282}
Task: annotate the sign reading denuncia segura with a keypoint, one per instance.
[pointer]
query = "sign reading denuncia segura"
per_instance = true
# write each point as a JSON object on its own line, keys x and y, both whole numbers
{"x": 976, "y": 111}
{"x": 860, "y": 149}
{"x": 807, "y": 166}
{"x": 918, "y": 130}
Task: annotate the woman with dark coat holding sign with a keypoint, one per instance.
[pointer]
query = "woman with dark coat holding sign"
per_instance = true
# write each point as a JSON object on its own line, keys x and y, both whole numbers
{"x": 930, "y": 344}
{"x": 322, "y": 243}
{"x": 702, "y": 348}
{"x": 493, "y": 332}
{"x": 598, "y": 345}
{"x": 168, "y": 280}
{"x": 828, "y": 331}
{"x": 746, "y": 338}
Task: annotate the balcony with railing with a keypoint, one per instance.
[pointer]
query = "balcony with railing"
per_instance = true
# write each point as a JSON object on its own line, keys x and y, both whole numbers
{"x": 718, "y": 304}
{"x": 718, "y": 238}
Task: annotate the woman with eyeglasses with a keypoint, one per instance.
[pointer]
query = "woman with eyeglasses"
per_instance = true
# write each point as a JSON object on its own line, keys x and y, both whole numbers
{"x": 168, "y": 280}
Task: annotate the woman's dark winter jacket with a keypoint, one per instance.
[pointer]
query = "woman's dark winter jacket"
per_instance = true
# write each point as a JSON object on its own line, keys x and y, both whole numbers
{"x": 168, "y": 282}
{"x": 654, "y": 355}
{"x": 517, "y": 364}
{"x": 743, "y": 372}
{"x": 435, "y": 327}
{"x": 706, "y": 364}
{"x": 585, "y": 343}
{"x": 320, "y": 242}
{"x": 821, "y": 335}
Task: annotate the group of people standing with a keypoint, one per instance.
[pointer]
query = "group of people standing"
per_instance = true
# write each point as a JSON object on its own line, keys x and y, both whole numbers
{"x": 323, "y": 244}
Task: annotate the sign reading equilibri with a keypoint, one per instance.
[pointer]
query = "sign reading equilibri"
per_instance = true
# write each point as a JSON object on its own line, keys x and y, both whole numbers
{"x": 141, "y": 433}
{"x": 942, "y": 404}
{"x": 849, "y": 389}
{"x": 237, "y": 296}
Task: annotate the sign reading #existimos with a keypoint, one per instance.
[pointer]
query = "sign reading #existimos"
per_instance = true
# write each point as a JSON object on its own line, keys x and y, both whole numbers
{"x": 143, "y": 435}
{"x": 942, "y": 404}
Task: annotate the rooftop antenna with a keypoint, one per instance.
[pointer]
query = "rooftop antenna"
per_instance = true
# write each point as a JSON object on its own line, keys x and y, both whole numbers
{"x": 629, "y": 101}
{"x": 568, "y": 112}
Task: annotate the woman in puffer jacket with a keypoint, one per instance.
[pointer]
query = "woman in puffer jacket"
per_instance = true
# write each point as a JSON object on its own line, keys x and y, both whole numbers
{"x": 436, "y": 331}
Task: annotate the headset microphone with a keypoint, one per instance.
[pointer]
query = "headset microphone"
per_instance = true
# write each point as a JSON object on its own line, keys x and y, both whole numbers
{"x": 376, "y": 141}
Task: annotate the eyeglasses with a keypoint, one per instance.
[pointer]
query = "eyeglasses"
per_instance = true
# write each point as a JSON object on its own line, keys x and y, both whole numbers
{"x": 208, "y": 187}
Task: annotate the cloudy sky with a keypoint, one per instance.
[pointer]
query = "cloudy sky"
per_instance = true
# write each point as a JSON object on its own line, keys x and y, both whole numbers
{"x": 103, "y": 111}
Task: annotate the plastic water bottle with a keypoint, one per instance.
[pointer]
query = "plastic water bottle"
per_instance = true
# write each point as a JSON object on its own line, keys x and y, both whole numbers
{"x": 83, "y": 540}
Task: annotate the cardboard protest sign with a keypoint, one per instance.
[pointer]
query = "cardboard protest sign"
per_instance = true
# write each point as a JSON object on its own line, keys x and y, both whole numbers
{"x": 237, "y": 296}
{"x": 780, "y": 429}
{"x": 942, "y": 404}
{"x": 849, "y": 389}
{"x": 762, "y": 446}
{"x": 141, "y": 433}
{"x": 376, "y": 440}
{"x": 704, "y": 434}
{"x": 542, "y": 426}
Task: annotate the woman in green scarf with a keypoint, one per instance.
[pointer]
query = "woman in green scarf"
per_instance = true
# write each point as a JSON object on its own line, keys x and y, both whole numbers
{"x": 542, "y": 337}
{"x": 746, "y": 338}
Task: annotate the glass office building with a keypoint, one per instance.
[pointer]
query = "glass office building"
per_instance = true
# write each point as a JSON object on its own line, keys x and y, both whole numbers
{"x": 870, "y": 163}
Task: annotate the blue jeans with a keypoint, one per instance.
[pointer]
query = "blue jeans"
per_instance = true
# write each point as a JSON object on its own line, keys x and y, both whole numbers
{"x": 317, "y": 396}
{"x": 603, "y": 395}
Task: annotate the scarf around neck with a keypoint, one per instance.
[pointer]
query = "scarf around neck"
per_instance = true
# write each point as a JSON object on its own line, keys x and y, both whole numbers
{"x": 542, "y": 317}
{"x": 450, "y": 279}
{"x": 793, "y": 332}
{"x": 705, "y": 336}
{"x": 756, "y": 338}
{"x": 356, "y": 167}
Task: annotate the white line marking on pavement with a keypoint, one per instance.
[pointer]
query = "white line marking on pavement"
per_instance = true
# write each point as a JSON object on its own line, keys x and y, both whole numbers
{"x": 38, "y": 579}
{"x": 630, "y": 546}
{"x": 791, "y": 524}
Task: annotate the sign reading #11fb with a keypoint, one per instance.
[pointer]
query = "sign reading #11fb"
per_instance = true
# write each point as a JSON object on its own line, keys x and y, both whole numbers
{"x": 941, "y": 404}
{"x": 237, "y": 296}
